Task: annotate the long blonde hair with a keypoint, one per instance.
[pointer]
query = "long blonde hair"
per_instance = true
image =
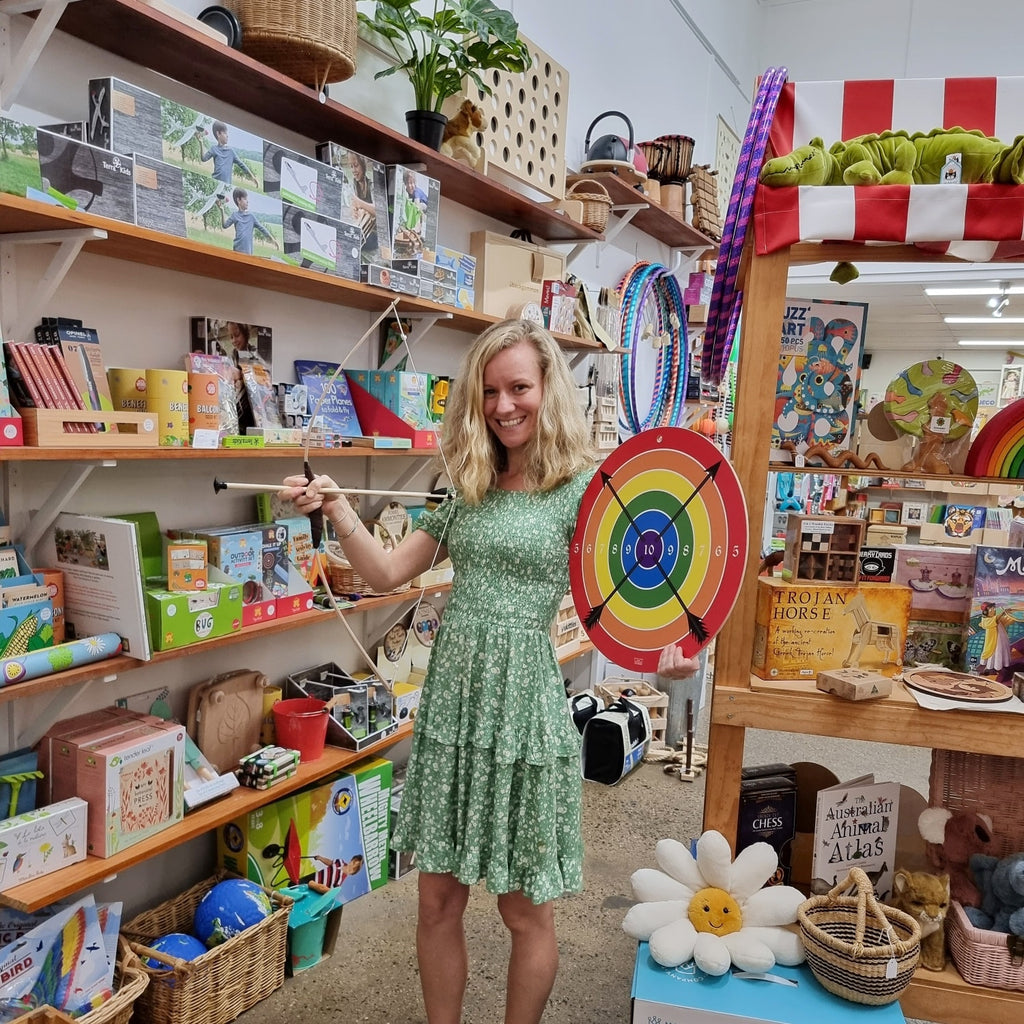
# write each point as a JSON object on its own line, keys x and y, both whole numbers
{"x": 560, "y": 447}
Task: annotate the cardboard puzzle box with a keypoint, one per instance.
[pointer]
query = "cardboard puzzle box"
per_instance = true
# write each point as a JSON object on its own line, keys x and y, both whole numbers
{"x": 803, "y": 629}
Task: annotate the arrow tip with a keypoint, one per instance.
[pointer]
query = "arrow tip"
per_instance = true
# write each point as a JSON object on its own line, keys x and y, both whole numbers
{"x": 713, "y": 470}
{"x": 605, "y": 477}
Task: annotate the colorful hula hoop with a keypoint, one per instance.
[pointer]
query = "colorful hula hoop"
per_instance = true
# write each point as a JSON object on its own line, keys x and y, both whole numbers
{"x": 723, "y": 309}
{"x": 651, "y": 287}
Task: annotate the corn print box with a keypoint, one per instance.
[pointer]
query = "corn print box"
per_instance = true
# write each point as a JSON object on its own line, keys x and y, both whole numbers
{"x": 801, "y": 630}
{"x": 134, "y": 786}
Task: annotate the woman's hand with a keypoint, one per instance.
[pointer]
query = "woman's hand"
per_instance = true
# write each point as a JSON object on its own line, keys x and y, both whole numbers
{"x": 307, "y": 497}
{"x": 673, "y": 664}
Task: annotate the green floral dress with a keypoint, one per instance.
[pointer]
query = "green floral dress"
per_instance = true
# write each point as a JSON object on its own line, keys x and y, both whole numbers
{"x": 494, "y": 788}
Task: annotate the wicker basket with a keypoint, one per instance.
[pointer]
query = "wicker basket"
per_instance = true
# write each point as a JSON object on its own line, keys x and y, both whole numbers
{"x": 344, "y": 579}
{"x": 219, "y": 985}
{"x": 312, "y": 41}
{"x": 987, "y": 783}
{"x": 597, "y": 204}
{"x": 983, "y": 957}
{"x": 868, "y": 962}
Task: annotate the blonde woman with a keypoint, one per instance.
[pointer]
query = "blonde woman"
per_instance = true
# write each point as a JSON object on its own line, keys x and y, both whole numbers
{"x": 493, "y": 790}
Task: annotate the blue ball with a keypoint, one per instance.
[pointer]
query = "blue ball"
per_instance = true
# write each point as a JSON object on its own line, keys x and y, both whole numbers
{"x": 177, "y": 944}
{"x": 229, "y": 908}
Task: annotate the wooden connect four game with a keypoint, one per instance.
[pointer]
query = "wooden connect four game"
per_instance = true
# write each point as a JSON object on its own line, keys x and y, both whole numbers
{"x": 822, "y": 549}
{"x": 526, "y": 121}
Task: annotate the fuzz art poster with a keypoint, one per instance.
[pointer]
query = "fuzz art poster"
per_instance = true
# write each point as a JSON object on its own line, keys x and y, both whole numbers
{"x": 822, "y": 344}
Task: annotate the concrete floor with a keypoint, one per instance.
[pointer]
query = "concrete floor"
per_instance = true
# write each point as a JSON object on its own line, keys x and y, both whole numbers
{"x": 372, "y": 975}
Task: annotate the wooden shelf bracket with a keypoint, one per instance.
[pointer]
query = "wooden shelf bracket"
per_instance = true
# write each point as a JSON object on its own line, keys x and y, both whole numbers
{"x": 14, "y": 68}
{"x": 63, "y": 490}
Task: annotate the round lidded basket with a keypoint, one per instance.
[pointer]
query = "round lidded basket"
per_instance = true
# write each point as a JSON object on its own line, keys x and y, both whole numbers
{"x": 312, "y": 41}
{"x": 678, "y": 157}
{"x": 597, "y": 204}
{"x": 856, "y": 947}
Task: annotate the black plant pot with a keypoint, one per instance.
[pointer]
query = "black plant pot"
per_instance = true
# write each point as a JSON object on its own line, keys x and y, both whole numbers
{"x": 426, "y": 127}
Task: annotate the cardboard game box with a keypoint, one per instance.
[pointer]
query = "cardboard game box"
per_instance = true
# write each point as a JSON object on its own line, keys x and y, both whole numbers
{"x": 41, "y": 841}
{"x": 415, "y": 206}
{"x": 299, "y": 180}
{"x": 159, "y": 196}
{"x": 124, "y": 118}
{"x": 87, "y": 178}
{"x": 318, "y": 242}
{"x": 335, "y": 833}
{"x": 208, "y": 145}
{"x": 241, "y": 219}
{"x": 803, "y": 629}
{"x": 941, "y": 578}
{"x": 995, "y": 630}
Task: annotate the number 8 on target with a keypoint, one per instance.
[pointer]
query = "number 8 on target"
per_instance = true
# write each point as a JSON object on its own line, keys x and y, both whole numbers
{"x": 660, "y": 547}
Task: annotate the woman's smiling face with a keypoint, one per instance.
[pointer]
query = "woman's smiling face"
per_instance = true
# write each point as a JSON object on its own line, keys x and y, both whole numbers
{"x": 513, "y": 392}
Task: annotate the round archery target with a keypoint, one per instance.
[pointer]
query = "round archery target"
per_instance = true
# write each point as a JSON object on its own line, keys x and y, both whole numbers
{"x": 660, "y": 547}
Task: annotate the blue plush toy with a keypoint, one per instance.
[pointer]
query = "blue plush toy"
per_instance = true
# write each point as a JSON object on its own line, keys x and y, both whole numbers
{"x": 1001, "y": 883}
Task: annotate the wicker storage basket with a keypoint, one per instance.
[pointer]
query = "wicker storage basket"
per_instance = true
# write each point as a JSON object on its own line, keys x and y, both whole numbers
{"x": 857, "y": 947}
{"x": 983, "y": 957}
{"x": 597, "y": 204}
{"x": 130, "y": 981}
{"x": 344, "y": 579}
{"x": 988, "y": 783}
{"x": 219, "y": 985}
{"x": 312, "y": 41}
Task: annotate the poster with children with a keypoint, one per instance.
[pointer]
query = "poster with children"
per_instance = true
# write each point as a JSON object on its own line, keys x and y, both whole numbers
{"x": 822, "y": 342}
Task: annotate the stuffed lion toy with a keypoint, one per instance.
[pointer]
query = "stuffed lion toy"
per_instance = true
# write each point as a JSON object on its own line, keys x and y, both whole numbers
{"x": 898, "y": 158}
{"x": 459, "y": 140}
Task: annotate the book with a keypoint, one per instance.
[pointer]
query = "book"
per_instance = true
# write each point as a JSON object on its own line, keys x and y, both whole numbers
{"x": 819, "y": 407}
{"x": 332, "y": 400}
{"x": 101, "y": 561}
{"x": 84, "y": 359}
{"x": 855, "y": 826}
{"x": 995, "y": 625}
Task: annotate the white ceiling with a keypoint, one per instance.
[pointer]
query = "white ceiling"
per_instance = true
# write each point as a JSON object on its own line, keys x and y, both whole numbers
{"x": 902, "y": 317}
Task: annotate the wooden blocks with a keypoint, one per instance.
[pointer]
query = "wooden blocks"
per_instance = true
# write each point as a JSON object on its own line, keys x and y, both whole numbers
{"x": 822, "y": 549}
{"x": 854, "y": 683}
{"x": 637, "y": 690}
{"x": 704, "y": 196}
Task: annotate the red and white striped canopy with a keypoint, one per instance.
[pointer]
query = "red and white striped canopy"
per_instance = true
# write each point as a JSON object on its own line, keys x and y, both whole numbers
{"x": 985, "y": 221}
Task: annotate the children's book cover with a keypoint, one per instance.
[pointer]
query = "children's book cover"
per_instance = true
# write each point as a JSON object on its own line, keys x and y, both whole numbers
{"x": 995, "y": 631}
{"x": 855, "y": 827}
{"x": 819, "y": 372}
{"x": 336, "y": 413}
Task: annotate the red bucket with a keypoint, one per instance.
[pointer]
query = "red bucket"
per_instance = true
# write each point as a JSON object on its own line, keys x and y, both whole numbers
{"x": 301, "y": 724}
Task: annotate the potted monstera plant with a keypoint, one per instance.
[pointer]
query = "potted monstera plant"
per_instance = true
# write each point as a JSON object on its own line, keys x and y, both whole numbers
{"x": 438, "y": 47}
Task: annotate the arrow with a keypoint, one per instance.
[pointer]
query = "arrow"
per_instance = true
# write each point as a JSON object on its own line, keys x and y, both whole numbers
{"x": 694, "y": 622}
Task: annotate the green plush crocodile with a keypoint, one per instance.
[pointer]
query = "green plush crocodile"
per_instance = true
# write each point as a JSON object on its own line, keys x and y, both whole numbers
{"x": 898, "y": 158}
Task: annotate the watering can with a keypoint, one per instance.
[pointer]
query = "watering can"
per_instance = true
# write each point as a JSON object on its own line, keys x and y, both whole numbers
{"x": 612, "y": 151}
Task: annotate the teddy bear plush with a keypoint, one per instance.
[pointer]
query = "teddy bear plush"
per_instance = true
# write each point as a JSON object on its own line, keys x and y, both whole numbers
{"x": 1001, "y": 882}
{"x": 899, "y": 158}
{"x": 459, "y": 141}
{"x": 950, "y": 840}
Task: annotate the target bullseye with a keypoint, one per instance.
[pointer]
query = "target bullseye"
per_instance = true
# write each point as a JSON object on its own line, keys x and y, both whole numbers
{"x": 660, "y": 547}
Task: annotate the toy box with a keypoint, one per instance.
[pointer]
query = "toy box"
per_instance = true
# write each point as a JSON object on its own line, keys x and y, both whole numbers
{"x": 822, "y": 548}
{"x": 464, "y": 267}
{"x": 415, "y": 200}
{"x": 364, "y": 196}
{"x": 509, "y": 272}
{"x": 87, "y": 178}
{"x": 995, "y": 629}
{"x": 199, "y": 142}
{"x": 241, "y": 219}
{"x": 159, "y": 196}
{"x": 400, "y": 862}
{"x": 186, "y": 565}
{"x": 178, "y": 618}
{"x": 19, "y": 174}
{"x": 124, "y": 118}
{"x": 41, "y": 841}
{"x": 801, "y": 630}
{"x": 941, "y": 579}
{"x": 134, "y": 785}
{"x": 318, "y": 242}
{"x": 933, "y": 639}
{"x": 877, "y": 564}
{"x": 335, "y": 833}
{"x": 686, "y": 995}
{"x": 393, "y": 280}
{"x": 302, "y": 181}
{"x": 237, "y": 551}
{"x": 767, "y": 813}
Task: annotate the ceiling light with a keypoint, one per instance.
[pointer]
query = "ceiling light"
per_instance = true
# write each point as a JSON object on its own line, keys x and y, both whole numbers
{"x": 988, "y": 343}
{"x": 1001, "y": 305}
{"x": 982, "y": 319}
{"x": 974, "y": 290}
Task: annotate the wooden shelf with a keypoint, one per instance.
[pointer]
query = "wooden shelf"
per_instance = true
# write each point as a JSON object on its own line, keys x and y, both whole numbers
{"x": 796, "y": 705}
{"x": 29, "y": 454}
{"x": 140, "y": 245}
{"x": 41, "y": 892}
{"x": 945, "y": 996}
{"x": 144, "y": 35}
{"x": 585, "y": 647}
{"x": 122, "y": 663}
{"x": 654, "y": 220}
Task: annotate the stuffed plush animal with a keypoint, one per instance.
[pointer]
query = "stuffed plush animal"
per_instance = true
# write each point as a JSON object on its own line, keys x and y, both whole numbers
{"x": 459, "y": 140}
{"x": 714, "y": 910}
{"x": 1002, "y": 893}
{"x": 951, "y": 838}
{"x": 925, "y": 898}
{"x": 898, "y": 158}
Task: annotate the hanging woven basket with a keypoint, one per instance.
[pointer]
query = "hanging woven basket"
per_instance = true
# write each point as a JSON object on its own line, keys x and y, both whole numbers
{"x": 312, "y": 41}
